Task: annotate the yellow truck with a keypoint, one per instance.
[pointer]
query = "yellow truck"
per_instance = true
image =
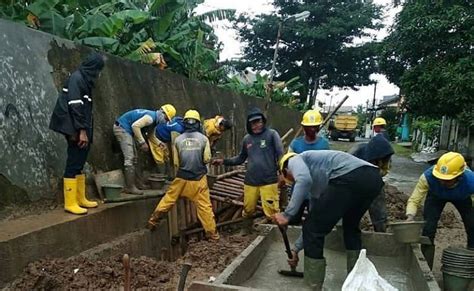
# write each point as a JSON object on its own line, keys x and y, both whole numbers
{"x": 344, "y": 126}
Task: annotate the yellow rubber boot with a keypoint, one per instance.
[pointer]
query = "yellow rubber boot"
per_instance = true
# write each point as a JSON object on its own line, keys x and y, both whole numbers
{"x": 81, "y": 193}
{"x": 70, "y": 197}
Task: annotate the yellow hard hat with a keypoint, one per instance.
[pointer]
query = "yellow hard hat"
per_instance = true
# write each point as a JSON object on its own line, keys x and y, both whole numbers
{"x": 192, "y": 114}
{"x": 449, "y": 166}
{"x": 169, "y": 110}
{"x": 312, "y": 118}
{"x": 379, "y": 121}
{"x": 284, "y": 159}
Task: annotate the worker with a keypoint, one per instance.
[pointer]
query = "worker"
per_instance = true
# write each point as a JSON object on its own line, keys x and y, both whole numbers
{"x": 129, "y": 126}
{"x": 449, "y": 180}
{"x": 341, "y": 186}
{"x": 163, "y": 135}
{"x": 191, "y": 154}
{"x": 261, "y": 147}
{"x": 72, "y": 117}
{"x": 311, "y": 123}
{"x": 377, "y": 151}
{"x": 214, "y": 128}
{"x": 379, "y": 125}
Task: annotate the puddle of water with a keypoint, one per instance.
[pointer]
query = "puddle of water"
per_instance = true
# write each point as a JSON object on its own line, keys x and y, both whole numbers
{"x": 267, "y": 277}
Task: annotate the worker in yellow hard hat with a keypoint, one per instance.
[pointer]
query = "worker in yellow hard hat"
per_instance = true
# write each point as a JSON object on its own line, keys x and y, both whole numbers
{"x": 450, "y": 180}
{"x": 379, "y": 125}
{"x": 191, "y": 154}
{"x": 128, "y": 130}
{"x": 215, "y": 127}
{"x": 311, "y": 123}
{"x": 161, "y": 140}
{"x": 340, "y": 186}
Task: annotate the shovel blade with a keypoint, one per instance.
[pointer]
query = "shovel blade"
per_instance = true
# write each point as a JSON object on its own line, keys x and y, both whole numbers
{"x": 291, "y": 273}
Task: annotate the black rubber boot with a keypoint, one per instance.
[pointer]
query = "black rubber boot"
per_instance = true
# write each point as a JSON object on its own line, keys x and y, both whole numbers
{"x": 314, "y": 273}
{"x": 131, "y": 187}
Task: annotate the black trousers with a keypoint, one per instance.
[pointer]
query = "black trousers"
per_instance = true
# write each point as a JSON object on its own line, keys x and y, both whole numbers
{"x": 378, "y": 212}
{"x": 347, "y": 197}
{"x": 432, "y": 212}
{"x": 76, "y": 158}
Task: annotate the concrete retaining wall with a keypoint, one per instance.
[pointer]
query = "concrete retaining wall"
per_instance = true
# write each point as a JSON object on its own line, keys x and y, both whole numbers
{"x": 56, "y": 235}
{"x": 33, "y": 66}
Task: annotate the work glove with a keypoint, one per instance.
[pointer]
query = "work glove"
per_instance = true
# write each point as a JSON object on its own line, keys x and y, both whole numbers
{"x": 410, "y": 217}
{"x": 293, "y": 262}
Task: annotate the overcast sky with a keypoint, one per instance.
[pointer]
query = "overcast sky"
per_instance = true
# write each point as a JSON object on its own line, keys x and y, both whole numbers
{"x": 232, "y": 47}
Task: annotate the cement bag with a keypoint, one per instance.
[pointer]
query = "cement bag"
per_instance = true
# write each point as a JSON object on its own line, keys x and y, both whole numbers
{"x": 364, "y": 277}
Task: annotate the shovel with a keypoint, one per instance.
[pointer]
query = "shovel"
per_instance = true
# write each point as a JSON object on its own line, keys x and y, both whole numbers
{"x": 292, "y": 272}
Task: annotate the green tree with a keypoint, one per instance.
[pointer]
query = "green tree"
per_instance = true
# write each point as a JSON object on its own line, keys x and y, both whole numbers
{"x": 361, "y": 117}
{"x": 321, "y": 45}
{"x": 137, "y": 30}
{"x": 429, "y": 55}
{"x": 284, "y": 92}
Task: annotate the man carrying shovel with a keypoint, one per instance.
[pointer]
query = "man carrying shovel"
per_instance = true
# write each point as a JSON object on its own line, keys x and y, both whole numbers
{"x": 450, "y": 180}
{"x": 341, "y": 186}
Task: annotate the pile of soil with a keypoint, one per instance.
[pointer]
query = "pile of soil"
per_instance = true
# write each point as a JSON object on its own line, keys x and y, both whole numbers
{"x": 208, "y": 258}
{"x": 396, "y": 207}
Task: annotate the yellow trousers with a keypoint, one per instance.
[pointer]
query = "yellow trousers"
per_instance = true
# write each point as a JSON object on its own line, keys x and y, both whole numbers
{"x": 198, "y": 193}
{"x": 159, "y": 150}
{"x": 269, "y": 196}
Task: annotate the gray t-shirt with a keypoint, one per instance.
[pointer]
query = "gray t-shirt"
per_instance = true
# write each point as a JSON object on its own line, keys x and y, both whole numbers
{"x": 193, "y": 152}
{"x": 312, "y": 171}
{"x": 262, "y": 152}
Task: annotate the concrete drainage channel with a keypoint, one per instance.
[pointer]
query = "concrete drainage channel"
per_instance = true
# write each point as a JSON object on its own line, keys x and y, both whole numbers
{"x": 60, "y": 251}
{"x": 116, "y": 229}
{"x": 402, "y": 265}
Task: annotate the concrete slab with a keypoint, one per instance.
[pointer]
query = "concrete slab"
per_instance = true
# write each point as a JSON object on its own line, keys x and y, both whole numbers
{"x": 400, "y": 264}
{"x": 58, "y": 234}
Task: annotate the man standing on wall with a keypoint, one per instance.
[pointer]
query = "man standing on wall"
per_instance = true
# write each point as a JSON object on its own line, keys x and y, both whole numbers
{"x": 129, "y": 126}
{"x": 262, "y": 148}
{"x": 72, "y": 117}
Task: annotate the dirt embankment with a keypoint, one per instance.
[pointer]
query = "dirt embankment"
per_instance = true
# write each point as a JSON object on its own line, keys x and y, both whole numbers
{"x": 396, "y": 206}
{"x": 208, "y": 258}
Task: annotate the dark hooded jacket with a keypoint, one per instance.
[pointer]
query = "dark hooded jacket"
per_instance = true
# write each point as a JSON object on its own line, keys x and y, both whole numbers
{"x": 73, "y": 110}
{"x": 262, "y": 151}
{"x": 377, "y": 148}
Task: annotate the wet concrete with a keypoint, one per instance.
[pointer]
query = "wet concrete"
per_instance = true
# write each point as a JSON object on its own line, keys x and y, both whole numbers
{"x": 400, "y": 264}
{"x": 392, "y": 269}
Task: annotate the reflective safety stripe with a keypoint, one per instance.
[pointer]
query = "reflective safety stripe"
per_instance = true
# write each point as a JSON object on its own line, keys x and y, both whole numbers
{"x": 75, "y": 102}
{"x": 87, "y": 98}
{"x": 65, "y": 90}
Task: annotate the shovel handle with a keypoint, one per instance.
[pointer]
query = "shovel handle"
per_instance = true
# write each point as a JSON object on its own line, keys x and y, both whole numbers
{"x": 286, "y": 241}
